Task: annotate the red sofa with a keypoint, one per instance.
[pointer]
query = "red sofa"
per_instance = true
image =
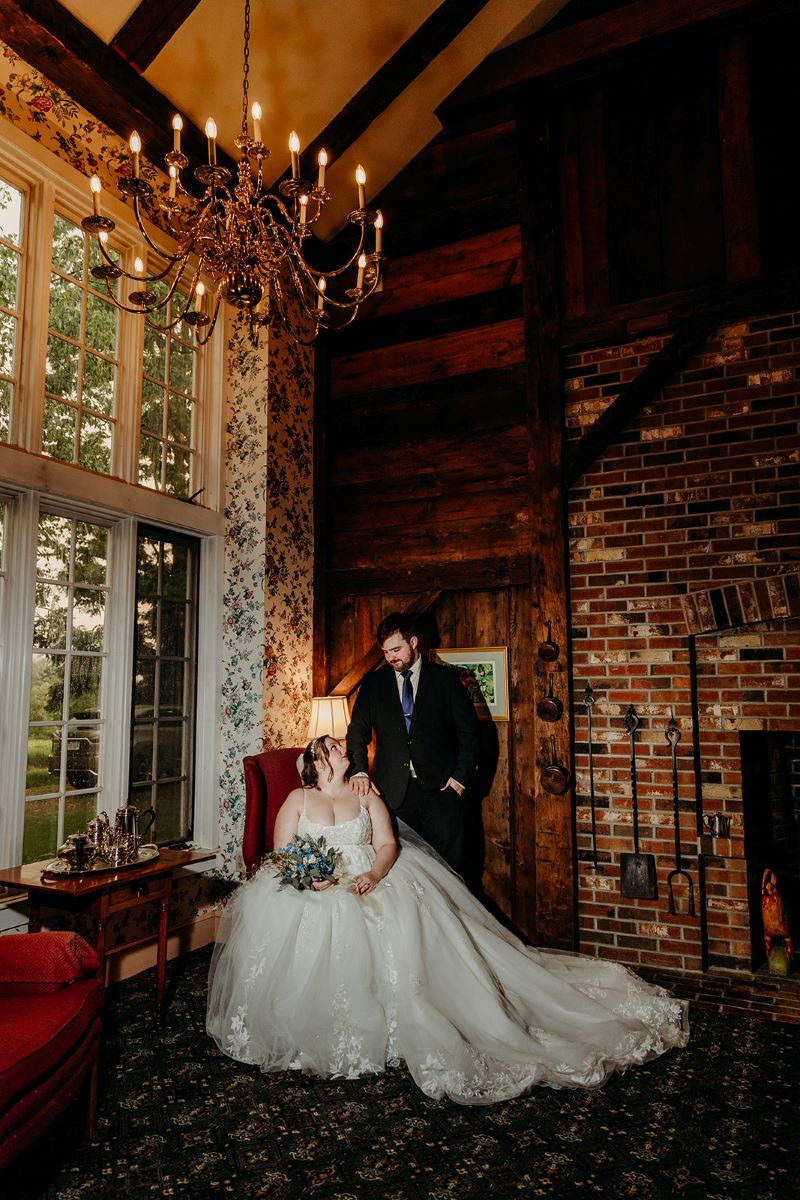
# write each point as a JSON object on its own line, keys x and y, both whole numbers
{"x": 268, "y": 779}
{"x": 50, "y": 1009}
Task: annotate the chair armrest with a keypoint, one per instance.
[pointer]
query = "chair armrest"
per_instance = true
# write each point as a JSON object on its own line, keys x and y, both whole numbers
{"x": 44, "y": 962}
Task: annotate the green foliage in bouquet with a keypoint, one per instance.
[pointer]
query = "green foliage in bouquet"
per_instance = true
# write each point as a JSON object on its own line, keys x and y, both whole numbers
{"x": 304, "y": 861}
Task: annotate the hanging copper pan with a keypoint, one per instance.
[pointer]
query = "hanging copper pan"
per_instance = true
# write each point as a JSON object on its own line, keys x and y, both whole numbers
{"x": 548, "y": 649}
{"x": 549, "y": 707}
{"x": 555, "y": 778}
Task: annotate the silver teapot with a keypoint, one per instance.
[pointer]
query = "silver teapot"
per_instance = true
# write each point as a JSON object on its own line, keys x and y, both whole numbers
{"x": 127, "y": 833}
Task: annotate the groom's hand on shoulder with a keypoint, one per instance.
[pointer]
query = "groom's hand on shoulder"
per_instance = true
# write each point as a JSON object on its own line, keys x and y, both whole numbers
{"x": 361, "y": 785}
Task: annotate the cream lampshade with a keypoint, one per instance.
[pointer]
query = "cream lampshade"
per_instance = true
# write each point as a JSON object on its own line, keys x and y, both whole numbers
{"x": 329, "y": 715}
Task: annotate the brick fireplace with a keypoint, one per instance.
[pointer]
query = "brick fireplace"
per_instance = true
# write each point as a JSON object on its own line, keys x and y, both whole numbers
{"x": 685, "y": 599}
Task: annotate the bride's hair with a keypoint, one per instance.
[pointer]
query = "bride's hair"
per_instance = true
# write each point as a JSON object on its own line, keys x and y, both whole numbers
{"x": 316, "y": 749}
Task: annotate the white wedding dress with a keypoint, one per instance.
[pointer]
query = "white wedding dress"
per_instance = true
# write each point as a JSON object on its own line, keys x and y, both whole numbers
{"x": 419, "y": 972}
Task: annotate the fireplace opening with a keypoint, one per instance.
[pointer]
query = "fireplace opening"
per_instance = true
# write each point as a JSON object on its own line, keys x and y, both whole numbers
{"x": 771, "y": 799}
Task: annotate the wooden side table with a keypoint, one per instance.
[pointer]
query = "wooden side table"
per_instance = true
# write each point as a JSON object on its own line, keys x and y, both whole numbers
{"x": 102, "y": 893}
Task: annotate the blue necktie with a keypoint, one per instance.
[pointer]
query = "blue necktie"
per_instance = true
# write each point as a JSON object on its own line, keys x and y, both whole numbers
{"x": 408, "y": 698}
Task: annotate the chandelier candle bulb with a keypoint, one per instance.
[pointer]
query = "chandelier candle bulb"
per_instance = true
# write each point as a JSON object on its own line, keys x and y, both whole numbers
{"x": 198, "y": 297}
{"x": 321, "y": 292}
{"x": 322, "y": 162}
{"x": 294, "y": 147}
{"x": 303, "y": 209}
{"x": 97, "y": 187}
{"x": 173, "y": 181}
{"x": 177, "y": 126}
{"x": 361, "y": 179}
{"x": 362, "y": 264}
{"x": 211, "y": 134}
{"x": 135, "y": 144}
{"x": 378, "y": 231}
{"x": 138, "y": 268}
{"x": 256, "y": 114}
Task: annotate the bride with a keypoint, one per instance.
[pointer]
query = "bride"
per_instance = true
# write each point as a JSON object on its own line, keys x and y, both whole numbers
{"x": 398, "y": 962}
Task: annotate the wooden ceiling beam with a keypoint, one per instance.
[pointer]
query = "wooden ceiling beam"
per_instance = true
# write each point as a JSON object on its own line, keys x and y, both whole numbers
{"x": 585, "y": 42}
{"x": 52, "y": 41}
{"x": 148, "y": 29}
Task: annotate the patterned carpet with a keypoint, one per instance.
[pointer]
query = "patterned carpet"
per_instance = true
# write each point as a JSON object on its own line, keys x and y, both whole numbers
{"x": 716, "y": 1121}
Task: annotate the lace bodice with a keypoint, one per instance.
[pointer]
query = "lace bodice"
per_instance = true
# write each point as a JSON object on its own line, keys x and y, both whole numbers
{"x": 356, "y": 832}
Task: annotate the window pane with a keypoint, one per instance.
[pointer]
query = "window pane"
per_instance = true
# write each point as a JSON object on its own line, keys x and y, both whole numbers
{"x": 5, "y": 409}
{"x": 91, "y": 553}
{"x": 40, "y": 838}
{"x": 66, "y": 302}
{"x": 150, "y": 463}
{"x": 8, "y": 342}
{"x": 179, "y": 425}
{"x": 84, "y": 686}
{"x": 95, "y": 451}
{"x": 63, "y": 360}
{"x": 50, "y": 619}
{"x": 101, "y": 325}
{"x": 152, "y": 407}
{"x": 60, "y": 427}
{"x": 155, "y": 353}
{"x": 181, "y": 368}
{"x": 47, "y": 687}
{"x": 9, "y": 274}
{"x": 65, "y": 733}
{"x": 68, "y": 243}
{"x": 82, "y": 370}
{"x": 54, "y": 547}
{"x": 177, "y": 473}
{"x": 12, "y": 212}
{"x": 88, "y": 619}
{"x": 43, "y": 760}
{"x": 99, "y": 383}
{"x": 162, "y": 734}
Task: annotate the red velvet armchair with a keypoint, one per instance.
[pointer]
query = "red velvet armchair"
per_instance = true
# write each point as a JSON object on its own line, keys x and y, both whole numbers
{"x": 268, "y": 779}
{"x": 50, "y": 1008}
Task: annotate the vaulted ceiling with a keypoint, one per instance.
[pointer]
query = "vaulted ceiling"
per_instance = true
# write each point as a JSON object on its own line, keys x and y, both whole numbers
{"x": 361, "y": 77}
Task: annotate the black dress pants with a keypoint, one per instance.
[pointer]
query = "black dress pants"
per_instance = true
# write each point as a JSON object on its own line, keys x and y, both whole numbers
{"x": 438, "y": 817}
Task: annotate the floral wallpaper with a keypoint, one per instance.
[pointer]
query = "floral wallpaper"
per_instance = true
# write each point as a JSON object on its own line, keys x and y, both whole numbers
{"x": 269, "y": 551}
{"x": 266, "y": 640}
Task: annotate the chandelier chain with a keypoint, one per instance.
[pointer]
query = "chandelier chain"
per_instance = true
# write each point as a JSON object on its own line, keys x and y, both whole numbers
{"x": 245, "y": 66}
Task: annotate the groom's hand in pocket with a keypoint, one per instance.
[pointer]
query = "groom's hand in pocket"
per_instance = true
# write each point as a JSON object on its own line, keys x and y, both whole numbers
{"x": 457, "y": 787}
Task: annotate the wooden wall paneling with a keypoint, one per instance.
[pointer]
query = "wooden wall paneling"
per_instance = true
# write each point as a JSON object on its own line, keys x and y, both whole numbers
{"x": 522, "y": 756}
{"x": 632, "y": 181}
{"x": 742, "y": 251}
{"x": 554, "y": 825}
{"x": 459, "y": 353}
{"x": 470, "y": 267}
{"x": 482, "y": 620}
{"x": 341, "y": 638}
{"x": 594, "y": 217}
{"x": 367, "y": 618}
{"x": 493, "y": 571}
{"x": 572, "y": 271}
{"x": 690, "y": 199}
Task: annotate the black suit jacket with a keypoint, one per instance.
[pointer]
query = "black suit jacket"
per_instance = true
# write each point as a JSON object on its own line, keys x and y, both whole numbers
{"x": 443, "y": 741}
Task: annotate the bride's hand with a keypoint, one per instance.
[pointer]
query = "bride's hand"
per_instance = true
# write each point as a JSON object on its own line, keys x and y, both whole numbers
{"x": 319, "y": 885}
{"x": 366, "y": 882}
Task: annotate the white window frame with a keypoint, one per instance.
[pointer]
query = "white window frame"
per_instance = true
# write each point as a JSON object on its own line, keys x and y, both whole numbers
{"x": 30, "y": 481}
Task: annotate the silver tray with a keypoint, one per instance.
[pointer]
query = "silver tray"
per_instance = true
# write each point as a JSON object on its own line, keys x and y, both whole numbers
{"x": 61, "y": 867}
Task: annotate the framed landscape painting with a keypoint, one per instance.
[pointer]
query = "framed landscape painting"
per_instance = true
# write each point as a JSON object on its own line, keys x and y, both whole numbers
{"x": 484, "y": 672}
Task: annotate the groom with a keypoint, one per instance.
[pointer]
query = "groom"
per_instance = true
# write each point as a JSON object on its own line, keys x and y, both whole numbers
{"x": 427, "y": 738}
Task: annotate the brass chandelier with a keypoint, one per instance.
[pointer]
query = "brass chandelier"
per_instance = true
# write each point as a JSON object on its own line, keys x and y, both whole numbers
{"x": 249, "y": 241}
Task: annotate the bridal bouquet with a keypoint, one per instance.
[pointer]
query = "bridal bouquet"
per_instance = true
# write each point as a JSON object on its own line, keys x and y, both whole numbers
{"x": 303, "y": 862}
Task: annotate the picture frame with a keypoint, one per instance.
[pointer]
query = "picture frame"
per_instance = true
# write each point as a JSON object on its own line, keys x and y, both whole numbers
{"x": 484, "y": 672}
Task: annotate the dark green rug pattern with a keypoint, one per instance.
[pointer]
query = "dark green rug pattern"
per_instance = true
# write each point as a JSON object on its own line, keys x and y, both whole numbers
{"x": 718, "y": 1121}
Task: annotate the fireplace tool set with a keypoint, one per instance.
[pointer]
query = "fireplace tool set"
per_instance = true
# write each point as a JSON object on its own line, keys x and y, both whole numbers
{"x": 638, "y": 870}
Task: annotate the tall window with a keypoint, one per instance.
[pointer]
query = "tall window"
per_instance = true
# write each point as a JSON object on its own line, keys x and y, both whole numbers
{"x": 82, "y": 356}
{"x": 66, "y": 718}
{"x": 169, "y": 400}
{"x": 162, "y": 735}
{"x": 11, "y": 253}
